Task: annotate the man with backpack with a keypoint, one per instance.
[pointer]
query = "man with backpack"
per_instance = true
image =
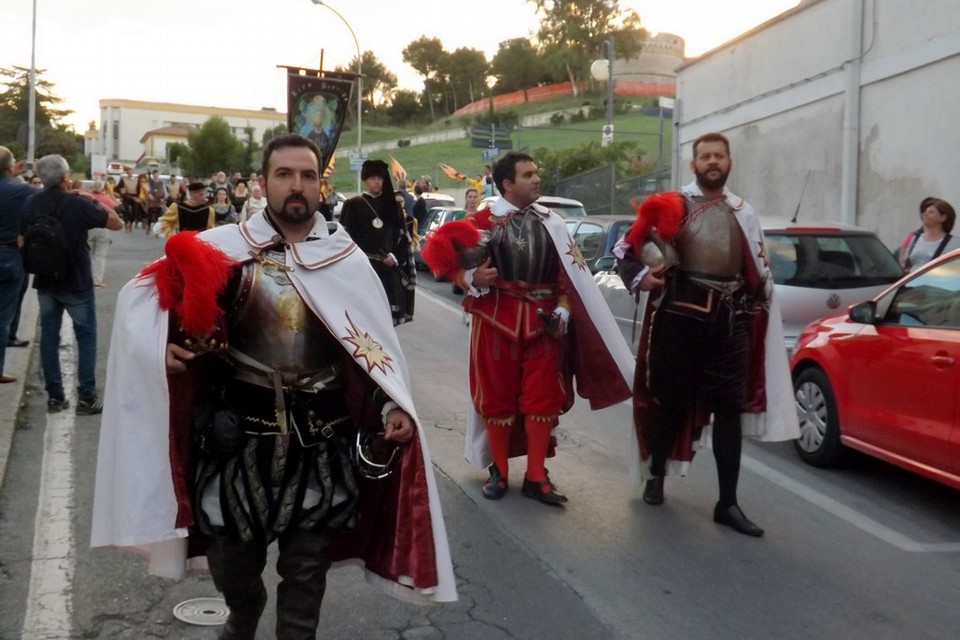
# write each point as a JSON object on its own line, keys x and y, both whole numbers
{"x": 53, "y": 234}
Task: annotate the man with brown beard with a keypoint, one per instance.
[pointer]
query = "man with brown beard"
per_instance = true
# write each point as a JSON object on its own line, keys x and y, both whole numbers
{"x": 276, "y": 354}
{"x": 701, "y": 255}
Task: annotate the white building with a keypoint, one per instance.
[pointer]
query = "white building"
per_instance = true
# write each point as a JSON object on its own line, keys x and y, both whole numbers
{"x": 131, "y": 129}
{"x": 857, "y": 98}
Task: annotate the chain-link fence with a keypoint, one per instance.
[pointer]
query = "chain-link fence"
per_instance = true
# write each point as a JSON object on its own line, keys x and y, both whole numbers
{"x": 602, "y": 193}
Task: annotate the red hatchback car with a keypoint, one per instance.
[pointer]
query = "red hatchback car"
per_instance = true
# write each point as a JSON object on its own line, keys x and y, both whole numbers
{"x": 884, "y": 378}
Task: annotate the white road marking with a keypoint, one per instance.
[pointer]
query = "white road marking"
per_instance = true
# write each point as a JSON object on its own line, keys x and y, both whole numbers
{"x": 50, "y": 603}
{"x": 845, "y": 513}
{"x": 446, "y": 305}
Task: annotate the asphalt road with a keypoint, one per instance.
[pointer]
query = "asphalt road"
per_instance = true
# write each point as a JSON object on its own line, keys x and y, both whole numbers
{"x": 866, "y": 551}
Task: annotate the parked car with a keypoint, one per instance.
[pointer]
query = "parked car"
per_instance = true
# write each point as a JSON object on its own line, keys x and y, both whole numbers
{"x": 434, "y": 219}
{"x": 338, "y": 207}
{"x": 822, "y": 267}
{"x": 115, "y": 169}
{"x": 565, "y": 207}
{"x": 884, "y": 377}
{"x": 595, "y": 237}
{"x": 435, "y": 199}
{"x": 818, "y": 268}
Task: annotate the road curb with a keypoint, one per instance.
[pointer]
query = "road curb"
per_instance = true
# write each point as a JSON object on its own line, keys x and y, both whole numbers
{"x": 17, "y": 363}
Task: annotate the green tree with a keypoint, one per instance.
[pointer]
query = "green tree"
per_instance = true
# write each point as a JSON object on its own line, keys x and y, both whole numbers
{"x": 428, "y": 58}
{"x": 571, "y": 32}
{"x": 516, "y": 66}
{"x": 50, "y": 135}
{"x": 562, "y": 163}
{"x": 467, "y": 70}
{"x": 275, "y": 132}
{"x": 379, "y": 83}
{"x": 405, "y": 108}
{"x": 212, "y": 148}
{"x": 250, "y": 159}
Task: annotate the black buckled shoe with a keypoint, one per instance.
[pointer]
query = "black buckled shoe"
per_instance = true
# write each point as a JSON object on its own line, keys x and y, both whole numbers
{"x": 496, "y": 486}
{"x": 544, "y": 491}
{"x": 653, "y": 491}
{"x": 733, "y": 517}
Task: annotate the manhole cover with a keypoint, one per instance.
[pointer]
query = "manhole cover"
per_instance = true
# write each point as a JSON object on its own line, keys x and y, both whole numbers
{"x": 202, "y": 611}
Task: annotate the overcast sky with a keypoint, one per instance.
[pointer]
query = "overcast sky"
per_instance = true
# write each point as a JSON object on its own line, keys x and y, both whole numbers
{"x": 225, "y": 52}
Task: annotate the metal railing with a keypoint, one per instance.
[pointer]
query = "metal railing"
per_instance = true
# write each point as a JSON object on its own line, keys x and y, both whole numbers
{"x": 602, "y": 193}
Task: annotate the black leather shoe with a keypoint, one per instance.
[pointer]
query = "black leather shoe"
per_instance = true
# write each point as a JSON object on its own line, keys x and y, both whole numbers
{"x": 733, "y": 517}
{"x": 544, "y": 491}
{"x": 13, "y": 342}
{"x": 496, "y": 486}
{"x": 653, "y": 491}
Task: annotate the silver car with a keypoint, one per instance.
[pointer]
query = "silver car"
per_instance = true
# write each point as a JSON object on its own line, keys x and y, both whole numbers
{"x": 818, "y": 268}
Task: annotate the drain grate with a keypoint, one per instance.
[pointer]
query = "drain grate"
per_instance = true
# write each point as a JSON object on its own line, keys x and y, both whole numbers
{"x": 202, "y": 611}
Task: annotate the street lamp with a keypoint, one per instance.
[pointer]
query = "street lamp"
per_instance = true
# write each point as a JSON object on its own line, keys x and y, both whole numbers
{"x": 359, "y": 87}
{"x": 601, "y": 70}
{"x": 32, "y": 107}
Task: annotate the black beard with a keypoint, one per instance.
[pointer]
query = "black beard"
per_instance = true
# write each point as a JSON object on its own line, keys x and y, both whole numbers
{"x": 712, "y": 184}
{"x": 290, "y": 217}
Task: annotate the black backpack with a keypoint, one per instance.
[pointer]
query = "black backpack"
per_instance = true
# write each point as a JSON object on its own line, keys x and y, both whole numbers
{"x": 46, "y": 251}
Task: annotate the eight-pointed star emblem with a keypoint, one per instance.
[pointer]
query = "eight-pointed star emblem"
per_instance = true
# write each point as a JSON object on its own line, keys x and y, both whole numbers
{"x": 367, "y": 348}
{"x": 574, "y": 252}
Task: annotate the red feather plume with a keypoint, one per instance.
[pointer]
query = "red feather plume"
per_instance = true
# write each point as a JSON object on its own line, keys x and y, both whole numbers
{"x": 189, "y": 280}
{"x": 444, "y": 245}
{"x": 662, "y": 211}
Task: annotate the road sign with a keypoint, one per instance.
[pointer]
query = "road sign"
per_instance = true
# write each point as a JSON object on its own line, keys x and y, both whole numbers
{"x": 490, "y": 154}
{"x": 356, "y": 162}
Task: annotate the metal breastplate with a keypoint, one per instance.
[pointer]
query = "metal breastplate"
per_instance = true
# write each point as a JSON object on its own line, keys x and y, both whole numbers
{"x": 520, "y": 248}
{"x": 272, "y": 325}
{"x": 709, "y": 243}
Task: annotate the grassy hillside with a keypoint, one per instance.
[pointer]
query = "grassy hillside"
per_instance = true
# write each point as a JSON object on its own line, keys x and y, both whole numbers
{"x": 422, "y": 160}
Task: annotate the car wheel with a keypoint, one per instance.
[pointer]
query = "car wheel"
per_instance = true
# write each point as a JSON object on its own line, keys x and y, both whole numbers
{"x": 819, "y": 442}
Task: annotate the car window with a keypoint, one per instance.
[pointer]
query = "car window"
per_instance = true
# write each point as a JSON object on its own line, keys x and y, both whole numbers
{"x": 830, "y": 261}
{"x": 932, "y": 299}
{"x": 568, "y": 210}
{"x": 589, "y": 239}
{"x": 571, "y": 225}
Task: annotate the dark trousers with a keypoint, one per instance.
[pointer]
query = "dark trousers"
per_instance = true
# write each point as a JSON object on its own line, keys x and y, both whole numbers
{"x": 237, "y": 569}
{"x": 662, "y": 432}
{"x": 699, "y": 361}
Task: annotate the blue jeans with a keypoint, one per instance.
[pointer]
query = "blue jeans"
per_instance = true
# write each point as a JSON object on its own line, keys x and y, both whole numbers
{"x": 11, "y": 277}
{"x": 83, "y": 311}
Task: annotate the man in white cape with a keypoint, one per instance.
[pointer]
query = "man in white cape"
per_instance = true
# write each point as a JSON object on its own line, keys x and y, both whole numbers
{"x": 157, "y": 484}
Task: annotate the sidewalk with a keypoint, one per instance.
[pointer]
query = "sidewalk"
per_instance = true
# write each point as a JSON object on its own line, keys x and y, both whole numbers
{"x": 17, "y": 361}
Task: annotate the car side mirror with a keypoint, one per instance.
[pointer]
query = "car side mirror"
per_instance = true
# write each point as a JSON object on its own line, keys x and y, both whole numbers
{"x": 606, "y": 263}
{"x": 864, "y": 313}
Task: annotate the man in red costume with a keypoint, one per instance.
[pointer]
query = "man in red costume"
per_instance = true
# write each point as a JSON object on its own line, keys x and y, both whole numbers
{"x": 712, "y": 340}
{"x": 538, "y": 318}
{"x": 273, "y": 403}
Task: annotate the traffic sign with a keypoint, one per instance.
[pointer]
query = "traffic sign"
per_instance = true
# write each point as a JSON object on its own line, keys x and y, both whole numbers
{"x": 490, "y": 154}
{"x": 356, "y": 162}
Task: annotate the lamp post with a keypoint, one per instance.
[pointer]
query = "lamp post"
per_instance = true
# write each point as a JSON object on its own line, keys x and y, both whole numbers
{"x": 32, "y": 107}
{"x": 601, "y": 70}
{"x": 359, "y": 86}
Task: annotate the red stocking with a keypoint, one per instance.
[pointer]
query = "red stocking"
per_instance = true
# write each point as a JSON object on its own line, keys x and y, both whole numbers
{"x": 538, "y": 439}
{"x": 498, "y": 435}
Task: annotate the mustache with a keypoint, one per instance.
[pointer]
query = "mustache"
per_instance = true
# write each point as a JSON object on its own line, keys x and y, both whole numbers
{"x": 295, "y": 197}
